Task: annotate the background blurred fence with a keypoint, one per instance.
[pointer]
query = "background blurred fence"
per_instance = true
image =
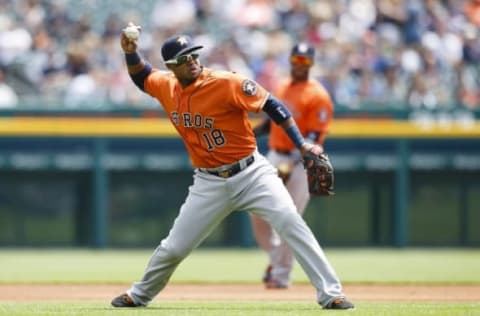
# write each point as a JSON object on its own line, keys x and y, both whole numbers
{"x": 107, "y": 181}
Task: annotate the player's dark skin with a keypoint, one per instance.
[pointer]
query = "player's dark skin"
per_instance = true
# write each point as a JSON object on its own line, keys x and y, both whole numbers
{"x": 299, "y": 72}
{"x": 188, "y": 72}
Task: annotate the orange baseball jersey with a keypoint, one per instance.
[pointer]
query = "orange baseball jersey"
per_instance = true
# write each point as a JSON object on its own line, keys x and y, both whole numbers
{"x": 211, "y": 114}
{"x": 311, "y": 107}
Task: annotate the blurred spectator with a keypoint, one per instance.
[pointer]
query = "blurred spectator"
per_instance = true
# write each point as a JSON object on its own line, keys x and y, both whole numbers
{"x": 382, "y": 53}
{"x": 85, "y": 85}
{"x": 472, "y": 11}
{"x": 256, "y": 14}
{"x": 177, "y": 14}
{"x": 419, "y": 96}
{"x": 15, "y": 40}
{"x": 8, "y": 97}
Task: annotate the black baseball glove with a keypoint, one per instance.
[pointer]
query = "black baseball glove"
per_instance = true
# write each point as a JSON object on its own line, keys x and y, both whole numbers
{"x": 319, "y": 173}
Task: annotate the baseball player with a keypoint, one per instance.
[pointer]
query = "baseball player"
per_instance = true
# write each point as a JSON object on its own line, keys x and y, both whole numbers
{"x": 209, "y": 110}
{"x": 312, "y": 109}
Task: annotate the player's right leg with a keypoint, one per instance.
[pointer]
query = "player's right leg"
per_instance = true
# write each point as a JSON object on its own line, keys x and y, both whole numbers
{"x": 262, "y": 231}
{"x": 205, "y": 207}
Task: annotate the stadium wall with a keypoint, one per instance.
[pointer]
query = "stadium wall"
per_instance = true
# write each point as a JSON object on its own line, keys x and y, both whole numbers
{"x": 119, "y": 181}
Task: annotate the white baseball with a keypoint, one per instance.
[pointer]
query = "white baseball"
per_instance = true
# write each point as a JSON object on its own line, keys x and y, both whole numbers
{"x": 131, "y": 31}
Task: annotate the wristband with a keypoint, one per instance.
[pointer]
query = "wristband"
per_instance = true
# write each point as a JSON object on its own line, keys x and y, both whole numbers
{"x": 132, "y": 58}
{"x": 295, "y": 135}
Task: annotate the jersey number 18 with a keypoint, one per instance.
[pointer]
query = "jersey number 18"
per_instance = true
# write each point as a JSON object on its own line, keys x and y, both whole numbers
{"x": 214, "y": 139}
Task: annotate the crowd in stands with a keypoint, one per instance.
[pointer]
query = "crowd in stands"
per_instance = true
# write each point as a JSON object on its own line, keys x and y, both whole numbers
{"x": 369, "y": 53}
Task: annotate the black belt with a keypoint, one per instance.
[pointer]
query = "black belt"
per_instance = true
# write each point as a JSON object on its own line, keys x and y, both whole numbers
{"x": 233, "y": 170}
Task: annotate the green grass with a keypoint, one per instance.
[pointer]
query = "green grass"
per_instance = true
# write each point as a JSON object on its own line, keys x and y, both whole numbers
{"x": 385, "y": 266}
{"x": 241, "y": 308}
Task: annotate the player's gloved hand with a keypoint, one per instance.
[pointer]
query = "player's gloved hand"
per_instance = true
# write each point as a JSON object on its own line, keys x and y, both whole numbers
{"x": 319, "y": 170}
{"x": 314, "y": 148}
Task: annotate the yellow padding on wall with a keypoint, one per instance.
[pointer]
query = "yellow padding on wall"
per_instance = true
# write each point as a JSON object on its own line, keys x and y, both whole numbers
{"x": 160, "y": 127}
{"x": 61, "y": 126}
{"x": 403, "y": 129}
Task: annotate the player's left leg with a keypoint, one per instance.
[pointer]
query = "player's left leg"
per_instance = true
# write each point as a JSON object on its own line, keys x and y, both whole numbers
{"x": 277, "y": 274}
{"x": 282, "y": 259}
{"x": 204, "y": 208}
{"x": 268, "y": 198}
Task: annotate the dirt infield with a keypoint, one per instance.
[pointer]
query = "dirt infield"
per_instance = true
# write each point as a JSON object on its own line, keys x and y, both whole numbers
{"x": 236, "y": 292}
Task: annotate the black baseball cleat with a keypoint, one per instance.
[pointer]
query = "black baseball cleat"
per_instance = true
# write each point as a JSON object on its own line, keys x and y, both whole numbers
{"x": 123, "y": 301}
{"x": 270, "y": 282}
{"x": 267, "y": 276}
{"x": 340, "y": 303}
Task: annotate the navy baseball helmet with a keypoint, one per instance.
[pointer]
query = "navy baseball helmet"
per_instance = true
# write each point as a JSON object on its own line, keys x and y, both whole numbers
{"x": 303, "y": 49}
{"x": 178, "y": 45}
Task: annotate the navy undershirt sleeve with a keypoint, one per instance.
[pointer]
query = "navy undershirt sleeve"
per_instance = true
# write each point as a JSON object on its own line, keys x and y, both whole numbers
{"x": 133, "y": 59}
{"x": 139, "y": 78}
{"x": 276, "y": 110}
{"x": 279, "y": 114}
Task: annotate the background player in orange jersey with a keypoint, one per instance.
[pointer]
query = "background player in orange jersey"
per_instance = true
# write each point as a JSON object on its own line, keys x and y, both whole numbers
{"x": 210, "y": 109}
{"x": 312, "y": 109}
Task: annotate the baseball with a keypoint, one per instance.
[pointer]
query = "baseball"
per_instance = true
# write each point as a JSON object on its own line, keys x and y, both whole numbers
{"x": 131, "y": 31}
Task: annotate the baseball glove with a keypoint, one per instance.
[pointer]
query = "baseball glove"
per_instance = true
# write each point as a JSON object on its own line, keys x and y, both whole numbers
{"x": 319, "y": 173}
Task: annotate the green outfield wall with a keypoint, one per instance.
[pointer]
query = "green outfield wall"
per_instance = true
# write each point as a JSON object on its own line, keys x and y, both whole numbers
{"x": 119, "y": 182}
